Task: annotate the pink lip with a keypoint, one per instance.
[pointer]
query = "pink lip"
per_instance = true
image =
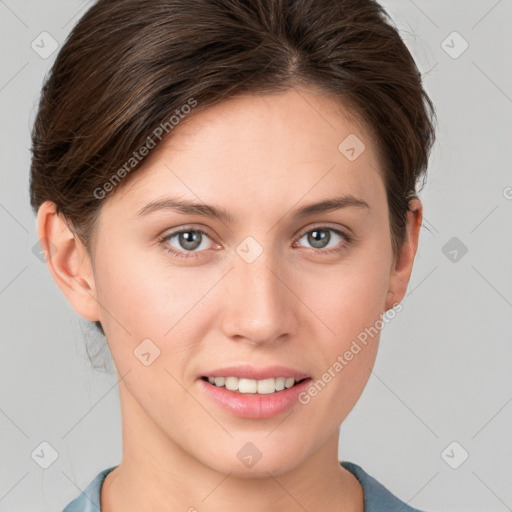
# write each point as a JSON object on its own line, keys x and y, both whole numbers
{"x": 252, "y": 405}
{"x": 249, "y": 372}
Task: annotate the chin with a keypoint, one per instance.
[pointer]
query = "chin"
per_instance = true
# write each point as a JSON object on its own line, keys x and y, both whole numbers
{"x": 250, "y": 462}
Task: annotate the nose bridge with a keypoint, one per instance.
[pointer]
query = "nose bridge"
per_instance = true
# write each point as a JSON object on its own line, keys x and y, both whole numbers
{"x": 259, "y": 308}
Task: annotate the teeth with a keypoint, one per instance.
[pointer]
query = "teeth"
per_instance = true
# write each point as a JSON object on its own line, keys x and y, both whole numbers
{"x": 280, "y": 381}
{"x": 289, "y": 382}
{"x": 249, "y": 386}
{"x": 262, "y": 387}
{"x": 219, "y": 381}
{"x": 231, "y": 383}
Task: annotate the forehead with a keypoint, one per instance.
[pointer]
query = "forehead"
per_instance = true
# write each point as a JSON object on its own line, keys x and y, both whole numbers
{"x": 263, "y": 149}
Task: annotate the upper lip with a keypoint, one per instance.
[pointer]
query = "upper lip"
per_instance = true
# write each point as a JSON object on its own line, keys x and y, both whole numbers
{"x": 251, "y": 372}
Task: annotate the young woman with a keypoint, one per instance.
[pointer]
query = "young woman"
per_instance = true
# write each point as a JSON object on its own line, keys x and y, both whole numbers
{"x": 228, "y": 190}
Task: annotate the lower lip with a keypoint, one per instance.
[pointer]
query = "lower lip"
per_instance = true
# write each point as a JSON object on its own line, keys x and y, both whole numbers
{"x": 255, "y": 406}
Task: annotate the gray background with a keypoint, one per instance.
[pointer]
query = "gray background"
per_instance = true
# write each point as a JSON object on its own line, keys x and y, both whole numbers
{"x": 443, "y": 370}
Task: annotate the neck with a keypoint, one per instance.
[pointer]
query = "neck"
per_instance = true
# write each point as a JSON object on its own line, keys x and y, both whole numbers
{"x": 158, "y": 474}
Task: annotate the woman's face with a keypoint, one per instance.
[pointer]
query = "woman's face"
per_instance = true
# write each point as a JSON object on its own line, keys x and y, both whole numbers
{"x": 266, "y": 287}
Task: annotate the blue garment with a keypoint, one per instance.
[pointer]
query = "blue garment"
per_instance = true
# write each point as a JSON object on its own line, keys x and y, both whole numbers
{"x": 376, "y": 497}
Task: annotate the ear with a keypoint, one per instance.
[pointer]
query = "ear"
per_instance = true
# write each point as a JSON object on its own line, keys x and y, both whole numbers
{"x": 402, "y": 263}
{"x": 68, "y": 261}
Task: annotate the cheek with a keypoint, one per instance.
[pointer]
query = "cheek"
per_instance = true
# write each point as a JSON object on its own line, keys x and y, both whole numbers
{"x": 130, "y": 299}
{"x": 351, "y": 296}
{"x": 351, "y": 307}
{"x": 141, "y": 303}
{"x": 350, "y": 302}
{"x": 159, "y": 302}
{"x": 130, "y": 288}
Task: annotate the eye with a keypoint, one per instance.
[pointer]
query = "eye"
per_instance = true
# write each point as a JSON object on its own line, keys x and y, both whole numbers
{"x": 188, "y": 241}
{"x": 191, "y": 241}
{"x": 320, "y": 238}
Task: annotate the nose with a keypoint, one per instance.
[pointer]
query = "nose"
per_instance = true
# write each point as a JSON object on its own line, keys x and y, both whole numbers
{"x": 259, "y": 305}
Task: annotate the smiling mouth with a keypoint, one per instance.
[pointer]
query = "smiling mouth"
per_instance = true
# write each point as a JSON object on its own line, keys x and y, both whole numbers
{"x": 253, "y": 386}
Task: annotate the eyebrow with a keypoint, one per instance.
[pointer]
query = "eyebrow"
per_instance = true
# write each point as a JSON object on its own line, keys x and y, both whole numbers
{"x": 187, "y": 207}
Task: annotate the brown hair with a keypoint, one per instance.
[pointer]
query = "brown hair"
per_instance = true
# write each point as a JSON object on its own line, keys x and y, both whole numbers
{"x": 129, "y": 65}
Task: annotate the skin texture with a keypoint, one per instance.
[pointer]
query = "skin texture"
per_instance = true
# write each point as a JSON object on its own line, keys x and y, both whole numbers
{"x": 259, "y": 157}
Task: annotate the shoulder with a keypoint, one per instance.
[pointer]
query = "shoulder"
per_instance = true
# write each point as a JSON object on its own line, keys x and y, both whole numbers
{"x": 89, "y": 499}
{"x": 376, "y": 497}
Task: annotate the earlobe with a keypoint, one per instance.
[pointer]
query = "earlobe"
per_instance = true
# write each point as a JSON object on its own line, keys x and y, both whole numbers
{"x": 403, "y": 263}
{"x": 68, "y": 261}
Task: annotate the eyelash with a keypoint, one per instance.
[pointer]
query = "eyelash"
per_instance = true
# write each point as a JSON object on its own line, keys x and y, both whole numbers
{"x": 194, "y": 254}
